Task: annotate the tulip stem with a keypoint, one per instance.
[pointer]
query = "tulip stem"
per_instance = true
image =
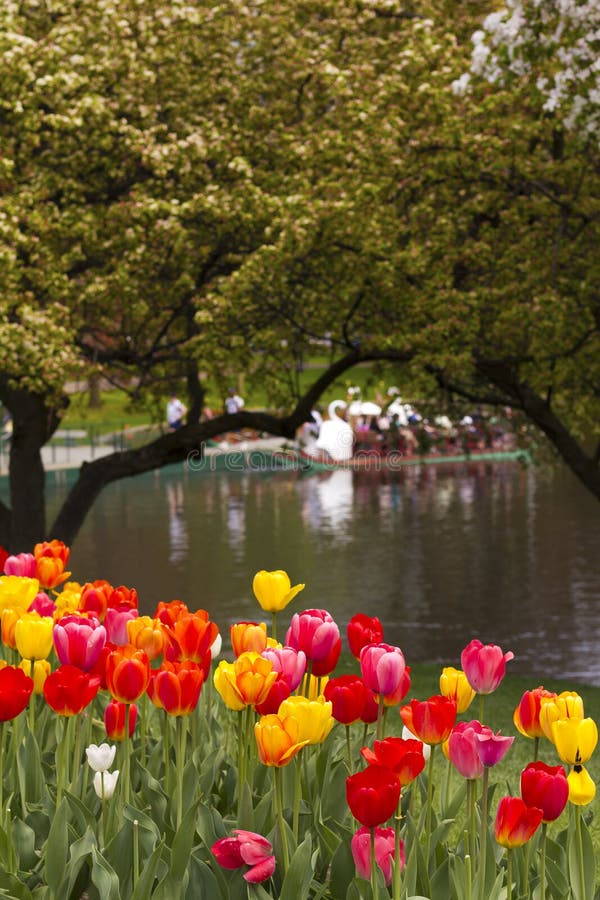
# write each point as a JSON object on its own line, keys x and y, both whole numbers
{"x": 31, "y": 701}
{"x": 166, "y": 748}
{"x": 2, "y": 730}
{"x": 88, "y": 741}
{"x": 481, "y": 703}
{"x": 429, "y": 804}
{"x": 127, "y": 757}
{"x": 374, "y": 886}
{"x": 136, "y": 853}
{"x": 536, "y": 748}
{"x": 543, "y": 863}
{"x": 580, "y": 847}
{"x": 484, "y": 830}
{"x": 469, "y": 874}
{"x": 471, "y": 815}
{"x": 274, "y": 625}
{"x": 349, "y": 750}
{"x": 297, "y": 796}
{"x": 397, "y": 859}
{"x": 77, "y": 757}
{"x": 241, "y": 761}
{"x": 447, "y": 782}
{"x": 181, "y": 730}
{"x": 380, "y": 719}
{"x": 143, "y": 728}
{"x": 282, "y": 831}
{"x": 508, "y": 874}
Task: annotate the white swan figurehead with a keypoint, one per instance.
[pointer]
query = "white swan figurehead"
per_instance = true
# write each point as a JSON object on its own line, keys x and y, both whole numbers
{"x": 336, "y": 436}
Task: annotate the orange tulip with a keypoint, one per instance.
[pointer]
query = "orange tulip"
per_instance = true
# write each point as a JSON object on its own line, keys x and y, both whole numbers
{"x": 195, "y": 634}
{"x": 147, "y": 634}
{"x": 127, "y": 673}
{"x": 247, "y": 636}
{"x": 54, "y": 550}
{"x": 527, "y": 714}
{"x": 277, "y": 740}
{"x": 10, "y": 617}
{"x": 168, "y": 613}
{"x": 94, "y": 598}
{"x": 245, "y": 682}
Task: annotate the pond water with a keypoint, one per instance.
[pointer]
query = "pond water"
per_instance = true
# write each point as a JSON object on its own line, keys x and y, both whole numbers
{"x": 494, "y": 551}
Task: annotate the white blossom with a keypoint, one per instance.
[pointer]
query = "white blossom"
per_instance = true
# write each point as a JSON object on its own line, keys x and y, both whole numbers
{"x": 100, "y": 758}
{"x": 105, "y": 783}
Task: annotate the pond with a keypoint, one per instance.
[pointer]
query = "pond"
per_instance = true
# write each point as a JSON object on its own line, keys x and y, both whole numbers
{"x": 495, "y": 551}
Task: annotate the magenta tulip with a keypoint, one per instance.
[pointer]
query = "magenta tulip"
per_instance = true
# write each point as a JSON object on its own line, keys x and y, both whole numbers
{"x": 484, "y": 665}
{"x": 463, "y": 748}
{"x": 23, "y": 565}
{"x": 79, "y": 641}
{"x": 43, "y": 605}
{"x": 289, "y": 662}
{"x": 384, "y": 852}
{"x": 314, "y": 632}
{"x": 246, "y": 848}
{"x": 493, "y": 747}
{"x": 382, "y": 668}
{"x": 115, "y": 621}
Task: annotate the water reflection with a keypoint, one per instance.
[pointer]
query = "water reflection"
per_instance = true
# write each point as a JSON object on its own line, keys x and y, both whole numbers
{"x": 492, "y": 551}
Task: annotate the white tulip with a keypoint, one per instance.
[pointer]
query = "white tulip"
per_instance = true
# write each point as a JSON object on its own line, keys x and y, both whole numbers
{"x": 407, "y": 735}
{"x": 100, "y": 758}
{"x": 104, "y": 784}
{"x": 215, "y": 647}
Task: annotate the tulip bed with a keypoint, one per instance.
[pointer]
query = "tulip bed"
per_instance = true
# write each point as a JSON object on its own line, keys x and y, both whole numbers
{"x": 134, "y": 763}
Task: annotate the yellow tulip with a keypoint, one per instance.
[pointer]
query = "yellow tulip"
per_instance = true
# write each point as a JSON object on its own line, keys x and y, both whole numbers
{"x": 582, "y": 789}
{"x": 567, "y": 705}
{"x": 575, "y": 739}
{"x": 273, "y": 590}
{"x": 41, "y": 670}
{"x": 246, "y": 681}
{"x": 68, "y": 600}
{"x": 277, "y": 739}
{"x": 33, "y": 636}
{"x": 314, "y": 717}
{"x": 315, "y": 686}
{"x": 454, "y": 685}
{"x": 10, "y": 617}
{"x": 17, "y": 592}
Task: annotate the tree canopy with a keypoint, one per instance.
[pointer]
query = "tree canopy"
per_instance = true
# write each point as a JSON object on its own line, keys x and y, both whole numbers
{"x": 192, "y": 186}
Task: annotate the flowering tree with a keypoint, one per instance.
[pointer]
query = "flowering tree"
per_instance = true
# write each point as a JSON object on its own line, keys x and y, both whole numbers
{"x": 212, "y": 186}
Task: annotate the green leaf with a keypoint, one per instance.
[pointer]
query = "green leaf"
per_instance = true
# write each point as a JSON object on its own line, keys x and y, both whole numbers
{"x": 342, "y": 870}
{"x": 56, "y": 848}
{"x": 29, "y": 770}
{"x": 582, "y": 888}
{"x": 24, "y": 843}
{"x": 78, "y": 852}
{"x": 440, "y": 880}
{"x": 84, "y": 815}
{"x": 104, "y": 877}
{"x": 12, "y": 887}
{"x": 143, "y": 888}
{"x": 300, "y": 873}
{"x": 202, "y": 884}
{"x": 246, "y": 814}
{"x": 182, "y": 843}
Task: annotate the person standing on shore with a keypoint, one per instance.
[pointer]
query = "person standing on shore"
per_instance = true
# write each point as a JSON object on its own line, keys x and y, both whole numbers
{"x": 175, "y": 413}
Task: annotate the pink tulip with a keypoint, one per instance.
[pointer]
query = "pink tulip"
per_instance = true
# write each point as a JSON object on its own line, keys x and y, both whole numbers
{"x": 23, "y": 564}
{"x": 79, "y": 641}
{"x": 384, "y": 851}
{"x": 43, "y": 605}
{"x": 246, "y": 848}
{"x": 314, "y": 632}
{"x": 115, "y": 621}
{"x": 463, "y": 748}
{"x": 484, "y": 665}
{"x": 493, "y": 747}
{"x": 289, "y": 662}
{"x": 382, "y": 668}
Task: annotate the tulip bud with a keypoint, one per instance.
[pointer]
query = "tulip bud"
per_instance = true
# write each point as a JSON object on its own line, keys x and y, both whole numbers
{"x": 105, "y": 783}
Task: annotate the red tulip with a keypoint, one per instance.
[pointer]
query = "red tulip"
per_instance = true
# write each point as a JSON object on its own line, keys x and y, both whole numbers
{"x": 348, "y": 695}
{"x": 373, "y": 795}
{"x": 516, "y": 823}
{"x": 321, "y": 667}
{"x": 430, "y": 720}
{"x": 403, "y": 757}
{"x": 123, "y": 598}
{"x": 4, "y": 554}
{"x": 68, "y": 690}
{"x": 175, "y": 687}
{"x": 527, "y": 714}
{"x": 15, "y": 691}
{"x": 114, "y": 719}
{"x": 484, "y": 666}
{"x": 545, "y": 787}
{"x": 278, "y": 692}
{"x": 168, "y": 613}
{"x": 363, "y": 630}
{"x": 127, "y": 673}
